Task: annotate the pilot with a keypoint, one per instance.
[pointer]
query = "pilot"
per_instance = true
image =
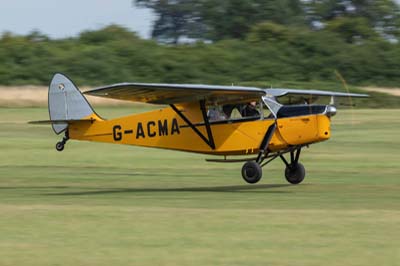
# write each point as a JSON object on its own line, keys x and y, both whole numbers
{"x": 250, "y": 109}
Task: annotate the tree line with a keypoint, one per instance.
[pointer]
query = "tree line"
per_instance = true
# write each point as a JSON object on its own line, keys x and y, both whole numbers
{"x": 251, "y": 42}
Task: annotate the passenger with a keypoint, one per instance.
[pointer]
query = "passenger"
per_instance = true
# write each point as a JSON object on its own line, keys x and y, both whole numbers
{"x": 249, "y": 110}
{"x": 214, "y": 114}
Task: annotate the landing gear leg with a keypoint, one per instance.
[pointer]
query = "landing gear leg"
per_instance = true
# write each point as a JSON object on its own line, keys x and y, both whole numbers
{"x": 60, "y": 145}
{"x": 295, "y": 171}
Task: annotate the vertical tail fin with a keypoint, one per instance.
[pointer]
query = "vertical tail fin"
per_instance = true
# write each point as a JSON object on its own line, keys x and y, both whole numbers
{"x": 66, "y": 102}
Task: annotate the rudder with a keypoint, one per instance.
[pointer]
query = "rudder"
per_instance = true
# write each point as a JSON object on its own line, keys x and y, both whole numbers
{"x": 66, "y": 102}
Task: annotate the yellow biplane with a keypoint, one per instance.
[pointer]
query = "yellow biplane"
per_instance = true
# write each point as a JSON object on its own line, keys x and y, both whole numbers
{"x": 215, "y": 120}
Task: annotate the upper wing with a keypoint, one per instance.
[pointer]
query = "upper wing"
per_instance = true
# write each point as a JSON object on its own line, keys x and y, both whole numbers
{"x": 177, "y": 93}
{"x": 286, "y": 92}
{"x": 309, "y": 96}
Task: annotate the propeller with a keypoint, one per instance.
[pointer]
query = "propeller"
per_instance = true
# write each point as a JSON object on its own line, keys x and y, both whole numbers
{"x": 344, "y": 83}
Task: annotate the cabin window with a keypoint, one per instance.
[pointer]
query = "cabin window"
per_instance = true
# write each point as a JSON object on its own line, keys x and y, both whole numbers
{"x": 300, "y": 110}
{"x": 229, "y": 112}
{"x": 216, "y": 113}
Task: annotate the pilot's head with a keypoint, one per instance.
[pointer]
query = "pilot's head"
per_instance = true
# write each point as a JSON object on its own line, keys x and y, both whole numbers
{"x": 252, "y": 104}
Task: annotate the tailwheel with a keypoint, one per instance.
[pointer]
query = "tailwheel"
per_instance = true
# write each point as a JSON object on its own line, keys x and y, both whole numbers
{"x": 60, "y": 145}
{"x": 251, "y": 172}
{"x": 295, "y": 173}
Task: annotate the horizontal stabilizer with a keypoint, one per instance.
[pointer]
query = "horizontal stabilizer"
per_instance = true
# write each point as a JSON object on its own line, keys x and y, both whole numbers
{"x": 51, "y": 122}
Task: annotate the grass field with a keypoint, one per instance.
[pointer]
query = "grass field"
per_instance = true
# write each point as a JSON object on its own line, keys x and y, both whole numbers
{"x": 102, "y": 204}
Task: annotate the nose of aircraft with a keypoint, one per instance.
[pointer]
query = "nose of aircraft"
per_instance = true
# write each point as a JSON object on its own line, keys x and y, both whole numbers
{"x": 330, "y": 110}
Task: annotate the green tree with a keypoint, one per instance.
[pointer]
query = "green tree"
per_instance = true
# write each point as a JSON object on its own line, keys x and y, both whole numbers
{"x": 217, "y": 20}
{"x": 109, "y": 33}
{"x": 352, "y": 30}
{"x": 269, "y": 32}
{"x": 381, "y": 16}
{"x": 175, "y": 19}
{"x": 227, "y": 19}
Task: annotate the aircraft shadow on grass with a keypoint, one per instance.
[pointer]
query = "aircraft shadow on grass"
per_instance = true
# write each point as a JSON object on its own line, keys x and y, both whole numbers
{"x": 229, "y": 189}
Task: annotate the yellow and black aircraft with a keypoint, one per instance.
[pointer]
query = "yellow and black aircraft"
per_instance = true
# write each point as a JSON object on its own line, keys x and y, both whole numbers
{"x": 215, "y": 120}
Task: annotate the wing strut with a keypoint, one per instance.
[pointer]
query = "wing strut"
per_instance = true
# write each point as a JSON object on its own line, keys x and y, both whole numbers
{"x": 210, "y": 140}
{"x": 207, "y": 123}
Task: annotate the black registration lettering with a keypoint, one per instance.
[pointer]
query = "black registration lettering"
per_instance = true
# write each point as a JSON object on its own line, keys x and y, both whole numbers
{"x": 163, "y": 128}
{"x": 150, "y": 129}
{"x": 117, "y": 135}
{"x": 140, "y": 131}
{"x": 175, "y": 127}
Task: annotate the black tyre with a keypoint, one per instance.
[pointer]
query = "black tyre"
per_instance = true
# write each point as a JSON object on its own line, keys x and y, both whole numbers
{"x": 60, "y": 146}
{"x": 295, "y": 173}
{"x": 251, "y": 172}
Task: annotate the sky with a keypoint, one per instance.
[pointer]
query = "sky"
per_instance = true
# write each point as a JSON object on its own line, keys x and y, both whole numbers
{"x": 67, "y": 18}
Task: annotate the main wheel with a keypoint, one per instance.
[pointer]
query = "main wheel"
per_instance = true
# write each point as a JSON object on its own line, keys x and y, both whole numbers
{"x": 251, "y": 172}
{"x": 60, "y": 146}
{"x": 295, "y": 173}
